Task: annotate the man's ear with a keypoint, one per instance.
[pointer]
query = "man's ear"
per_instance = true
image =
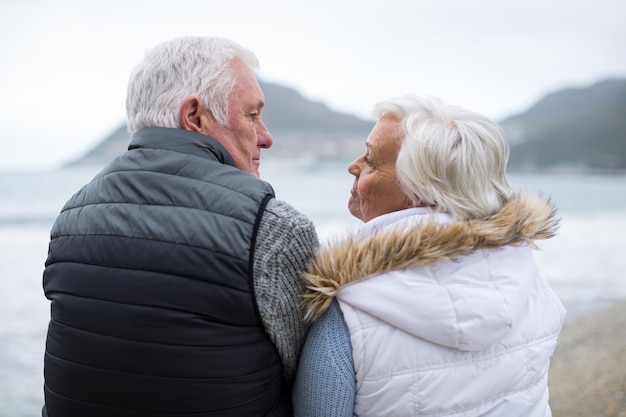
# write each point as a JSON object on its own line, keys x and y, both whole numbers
{"x": 193, "y": 115}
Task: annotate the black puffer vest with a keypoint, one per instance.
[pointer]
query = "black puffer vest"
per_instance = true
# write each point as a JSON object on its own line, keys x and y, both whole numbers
{"x": 149, "y": 275}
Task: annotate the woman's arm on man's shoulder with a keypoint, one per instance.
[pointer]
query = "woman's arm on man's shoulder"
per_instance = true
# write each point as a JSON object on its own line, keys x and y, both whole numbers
{"x": 325, "y": 383}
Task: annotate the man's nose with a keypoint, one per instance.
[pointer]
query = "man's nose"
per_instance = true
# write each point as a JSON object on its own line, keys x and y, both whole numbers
{"x": 264, "y": 137}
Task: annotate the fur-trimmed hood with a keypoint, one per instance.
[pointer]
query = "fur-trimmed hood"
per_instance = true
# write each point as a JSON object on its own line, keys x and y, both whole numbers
{"x": 422, "y": 240}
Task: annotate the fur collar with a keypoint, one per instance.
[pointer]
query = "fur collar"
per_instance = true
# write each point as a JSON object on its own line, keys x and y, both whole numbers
{"x": 522, "y": 220}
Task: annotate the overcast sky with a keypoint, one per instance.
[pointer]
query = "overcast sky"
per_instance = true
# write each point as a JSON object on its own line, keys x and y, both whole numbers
{"x": 65, "y": 63}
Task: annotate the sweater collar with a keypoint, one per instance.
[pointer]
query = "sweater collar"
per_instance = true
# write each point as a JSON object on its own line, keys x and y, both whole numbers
{"x": 180, "y": 140}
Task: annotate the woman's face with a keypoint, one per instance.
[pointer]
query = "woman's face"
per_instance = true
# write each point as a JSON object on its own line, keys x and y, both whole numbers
{"x": 376, "y": 190}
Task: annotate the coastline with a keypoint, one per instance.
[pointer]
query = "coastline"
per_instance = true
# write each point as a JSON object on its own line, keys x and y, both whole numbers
{"x": 588, "y": 370}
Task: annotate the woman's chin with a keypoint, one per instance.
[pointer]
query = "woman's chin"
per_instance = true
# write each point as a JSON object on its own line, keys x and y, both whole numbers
{"x": 355, "y": 209}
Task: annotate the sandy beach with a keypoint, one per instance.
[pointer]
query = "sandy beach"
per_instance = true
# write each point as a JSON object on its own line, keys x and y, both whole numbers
{"x": 588, "y": 370}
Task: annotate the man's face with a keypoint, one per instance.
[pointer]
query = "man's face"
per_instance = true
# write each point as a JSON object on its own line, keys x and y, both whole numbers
{"x": 246, "y": 133}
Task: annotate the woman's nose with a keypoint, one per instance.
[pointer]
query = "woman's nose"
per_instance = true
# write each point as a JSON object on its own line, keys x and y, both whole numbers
{"x": 353, "y": 168}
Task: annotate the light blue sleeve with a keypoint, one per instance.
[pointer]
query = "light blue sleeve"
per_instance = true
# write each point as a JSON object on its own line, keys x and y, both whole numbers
{"x": 325, "y": 382}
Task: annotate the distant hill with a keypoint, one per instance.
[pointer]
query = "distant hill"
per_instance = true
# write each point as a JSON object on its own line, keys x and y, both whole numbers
{"x": 581, "y": 129}
{"x": 300, "y": 127}
{"x": 286, "y": 110}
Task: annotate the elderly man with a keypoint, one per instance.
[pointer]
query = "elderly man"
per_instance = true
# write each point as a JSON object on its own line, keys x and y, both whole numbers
{"x": 175, "y": 274}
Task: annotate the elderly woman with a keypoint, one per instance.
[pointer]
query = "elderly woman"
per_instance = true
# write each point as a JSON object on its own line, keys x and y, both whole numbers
{"x": 435, "y": 305}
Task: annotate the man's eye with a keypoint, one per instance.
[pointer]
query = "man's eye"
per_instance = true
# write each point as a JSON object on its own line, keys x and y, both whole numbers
{"x": 367, "y": 161}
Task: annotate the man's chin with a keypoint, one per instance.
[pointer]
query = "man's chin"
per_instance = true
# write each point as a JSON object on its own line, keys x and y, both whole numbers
{"x": 255, "y": 169}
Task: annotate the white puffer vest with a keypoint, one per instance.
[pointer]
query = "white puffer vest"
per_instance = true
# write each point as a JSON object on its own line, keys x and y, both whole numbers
{"x": 468, "y": 335}
{"x": 472, "y": 338}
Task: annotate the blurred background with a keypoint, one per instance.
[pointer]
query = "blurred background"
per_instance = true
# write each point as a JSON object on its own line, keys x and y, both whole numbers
{"x": 552, "y": 73}
{"x": 65, "y": 63}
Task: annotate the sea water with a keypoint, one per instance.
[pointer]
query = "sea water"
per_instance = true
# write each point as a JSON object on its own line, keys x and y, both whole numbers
{"x": 585, "y": 262}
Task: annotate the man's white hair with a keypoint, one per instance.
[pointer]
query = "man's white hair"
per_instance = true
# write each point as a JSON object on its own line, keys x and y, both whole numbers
{"x": 177, "y": 69}
{"x": 451, "y": 158}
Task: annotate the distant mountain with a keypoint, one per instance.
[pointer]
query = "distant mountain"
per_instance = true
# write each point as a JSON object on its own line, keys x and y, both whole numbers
{"x": 286, "y": 110}
{"x": 581, "y": 129}
{"x": 300, "y": 128}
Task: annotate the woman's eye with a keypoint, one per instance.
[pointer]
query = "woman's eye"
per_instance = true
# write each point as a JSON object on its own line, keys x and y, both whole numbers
{"x": 367, "y": 161}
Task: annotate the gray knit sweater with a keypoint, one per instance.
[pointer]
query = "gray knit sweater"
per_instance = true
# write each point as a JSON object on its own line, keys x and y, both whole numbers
{"x": 278, "y": 282}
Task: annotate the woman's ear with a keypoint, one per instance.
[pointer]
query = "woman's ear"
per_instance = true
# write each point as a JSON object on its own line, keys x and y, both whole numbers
{"x": 192, "y": 115}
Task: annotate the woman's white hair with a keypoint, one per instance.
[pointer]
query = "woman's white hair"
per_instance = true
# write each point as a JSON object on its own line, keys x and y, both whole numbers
{"x": 450, "y": 158}
{"x": 177, "y": 69}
